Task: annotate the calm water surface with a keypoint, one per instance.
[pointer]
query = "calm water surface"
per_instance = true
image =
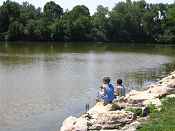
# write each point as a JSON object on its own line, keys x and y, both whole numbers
{"x": 43, "y": 83}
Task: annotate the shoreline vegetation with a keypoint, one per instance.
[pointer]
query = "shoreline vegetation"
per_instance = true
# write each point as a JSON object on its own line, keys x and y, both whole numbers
{"x": 130, "y": 21}
{"x": 151, "y": 109}
{"x": 163, "y": 120}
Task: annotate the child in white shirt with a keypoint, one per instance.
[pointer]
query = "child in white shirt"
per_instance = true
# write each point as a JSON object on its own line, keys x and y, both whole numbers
{"x": 120, "y": 89}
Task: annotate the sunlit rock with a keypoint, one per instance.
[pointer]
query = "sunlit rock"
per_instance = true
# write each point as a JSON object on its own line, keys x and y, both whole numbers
{"x": 110, "y": 120}
{"x": 172, "y": 84}
{"x": 156, "y": 102}
{"x": 158, "y": 91}
{"x": 99, "y": 107}
{"x": 136, "y": 98}
{"x": 68, "y": 124}
{"x": 80, "y": 125}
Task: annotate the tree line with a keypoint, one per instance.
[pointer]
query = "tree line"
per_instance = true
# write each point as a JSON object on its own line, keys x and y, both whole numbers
{"x": 128, "y": 21}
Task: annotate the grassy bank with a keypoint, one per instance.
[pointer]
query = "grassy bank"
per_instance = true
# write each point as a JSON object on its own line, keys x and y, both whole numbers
{"x": 163, "y": 120}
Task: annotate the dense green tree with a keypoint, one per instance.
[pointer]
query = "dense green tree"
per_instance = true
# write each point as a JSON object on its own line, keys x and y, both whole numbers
{"x": 15, "y": 31}
{"x": 42, "y": 31}
{"x": 116, "y": 26}
{"x": 99, "y": 22}
{"x": 152, "y": 21}
{"x": 130, "y": 21}
{"x": 57, "y": 30}
{"x": 29, "y": 30}
{"x": 126, "y": 21}
{"x": 75, "y": 25}
{"x": 4, "y": 21}
{"x": 9, "y": 12}
{"x": 12, "y": 9}
{"x": 79, "y": 18}
{"x": 29, "y": 12}
{"x": 79, "y": 10}
{"x": 81, "y": 28}
{"x": 168, "y": 26}
{"x": 52, "y": 10}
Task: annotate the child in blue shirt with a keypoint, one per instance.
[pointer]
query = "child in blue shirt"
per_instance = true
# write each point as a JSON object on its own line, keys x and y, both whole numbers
{"x": 107, "y": 91}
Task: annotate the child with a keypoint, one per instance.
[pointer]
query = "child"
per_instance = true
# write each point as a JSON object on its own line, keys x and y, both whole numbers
{"x": 120, "y": 89}
{"x": 101, "y": 92}
{"x": 106, "y": 93}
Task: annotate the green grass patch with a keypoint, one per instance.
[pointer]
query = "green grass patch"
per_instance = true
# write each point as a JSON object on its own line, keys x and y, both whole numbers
{"x": 163, "y": 120}
{"x": 137, "y": 111}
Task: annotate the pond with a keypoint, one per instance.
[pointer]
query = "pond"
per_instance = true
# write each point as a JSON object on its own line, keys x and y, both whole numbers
{"x": 43, "y": 83}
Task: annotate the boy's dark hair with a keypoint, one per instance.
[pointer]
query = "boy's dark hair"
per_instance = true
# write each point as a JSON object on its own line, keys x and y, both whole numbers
{"x": 106, "y": 80}
{"x": 119, "y": 81}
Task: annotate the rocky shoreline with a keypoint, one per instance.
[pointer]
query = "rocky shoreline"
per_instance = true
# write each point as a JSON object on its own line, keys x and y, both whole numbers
{"x": 125, "y": 114}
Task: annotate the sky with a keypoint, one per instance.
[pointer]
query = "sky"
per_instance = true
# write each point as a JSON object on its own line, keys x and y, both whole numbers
{"x": 91, "y": 4}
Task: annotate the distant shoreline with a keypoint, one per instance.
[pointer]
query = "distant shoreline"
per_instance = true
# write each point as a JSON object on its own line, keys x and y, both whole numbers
{"x": 88, "y": 42}
{"x": 129, "y": 21}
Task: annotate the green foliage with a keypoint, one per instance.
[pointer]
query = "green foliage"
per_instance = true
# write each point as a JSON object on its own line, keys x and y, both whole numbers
{"x": 168, "y": 34}
{"x": 130, "y": 21}
{"x": 79, "y": 10}
{"x": 74, "y": 25}
{"x": 28, "y": 12}
{"x": 52, "y": 10}
{"x": 152, "y": 108}
{"x": 15, "y": 30}
{"x": 115, "y": 107}
{"x": 163, "y": 120}
{"x": 4, "y": 20}
{"x": 41, "y": 30}
{"x": 136, "y": 111}
{"x": 11, "y": 9}
{"x": 99, "y": 23}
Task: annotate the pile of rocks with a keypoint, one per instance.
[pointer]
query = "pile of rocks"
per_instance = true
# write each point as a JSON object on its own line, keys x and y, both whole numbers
{"x": 154, "y": 92}
{"x": 115, "y": 117}
{"x": 98, "y": 118}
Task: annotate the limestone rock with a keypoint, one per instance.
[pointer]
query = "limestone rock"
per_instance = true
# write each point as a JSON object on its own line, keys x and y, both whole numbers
{"x": 172, "y": 84}
{"x": 138, "y": 97}
{"x": 158, "y": 91}
{"x": 155, "y": 101}
{"x": 74, "y": 124}
{"x": 80, "y": 125}
{"x": 68, "y": 124}
{"x": 99, "y": 107}
{"x": 111, "y": 120}
{"x": 131, "y": 127}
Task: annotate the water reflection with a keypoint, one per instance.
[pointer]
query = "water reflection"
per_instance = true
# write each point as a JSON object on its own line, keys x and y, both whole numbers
{"x": 42, "y": 84}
